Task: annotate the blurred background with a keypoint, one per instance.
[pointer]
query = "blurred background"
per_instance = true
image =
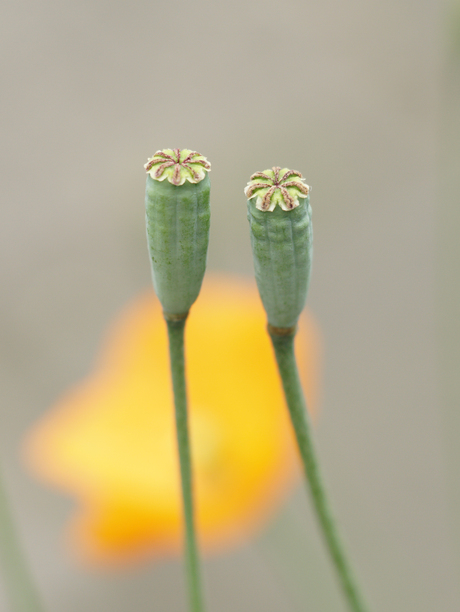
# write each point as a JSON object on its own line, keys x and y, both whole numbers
{"x": 364, "y": 99}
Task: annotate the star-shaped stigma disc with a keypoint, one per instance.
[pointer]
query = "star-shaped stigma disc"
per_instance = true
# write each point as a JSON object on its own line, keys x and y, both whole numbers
{"x": 277, "y": 186}
{"x": 177, "y": 166}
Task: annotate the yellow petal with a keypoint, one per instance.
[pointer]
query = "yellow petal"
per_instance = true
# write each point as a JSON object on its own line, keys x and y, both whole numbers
{"x": 110, "y": 442}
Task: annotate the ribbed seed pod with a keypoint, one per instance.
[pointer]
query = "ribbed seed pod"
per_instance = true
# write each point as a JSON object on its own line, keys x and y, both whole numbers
{"x": 177, "y": 219}
{"x": 282, "y": 240}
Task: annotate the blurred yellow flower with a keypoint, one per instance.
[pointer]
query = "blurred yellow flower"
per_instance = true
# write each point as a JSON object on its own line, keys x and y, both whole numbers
{"x": 110, "y": 442}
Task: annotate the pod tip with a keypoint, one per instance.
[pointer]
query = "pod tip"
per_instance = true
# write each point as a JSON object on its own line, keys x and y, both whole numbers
{"x": 177, "y": 166}
{"x": 277, "y": 186}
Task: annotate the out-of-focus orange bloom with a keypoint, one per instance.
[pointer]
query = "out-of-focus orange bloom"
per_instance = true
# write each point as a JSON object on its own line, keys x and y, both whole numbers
{"x": 110, "y": 442}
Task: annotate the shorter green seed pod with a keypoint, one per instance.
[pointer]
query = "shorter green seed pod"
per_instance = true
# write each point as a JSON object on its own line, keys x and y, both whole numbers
{"x": 177, "y": 218}
{"x": 282, "y": 240}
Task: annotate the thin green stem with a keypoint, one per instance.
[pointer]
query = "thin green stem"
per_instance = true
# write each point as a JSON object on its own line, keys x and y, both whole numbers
{"x": 19, "y": 585}
{"x": 284, "y": 352}
{"x": 176, "y": 330}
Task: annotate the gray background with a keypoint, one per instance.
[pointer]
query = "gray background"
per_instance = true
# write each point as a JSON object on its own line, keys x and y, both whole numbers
{"x": 360, "y": 96}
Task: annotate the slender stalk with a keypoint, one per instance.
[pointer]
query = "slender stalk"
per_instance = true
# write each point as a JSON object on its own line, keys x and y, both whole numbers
{"x": 176, "y": 328}
{"x": 19, "y": 585}
{"x": 284, "y": 352}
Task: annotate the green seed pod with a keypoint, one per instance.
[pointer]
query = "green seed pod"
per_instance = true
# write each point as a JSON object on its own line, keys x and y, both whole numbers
{"x": 177, "y": 218}
{"x": 282, "y": 240}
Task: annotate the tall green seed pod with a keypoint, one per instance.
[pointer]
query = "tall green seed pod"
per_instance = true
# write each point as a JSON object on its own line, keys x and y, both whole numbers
{"x": 279, "y": 215}
{"x": 177, "y": 218}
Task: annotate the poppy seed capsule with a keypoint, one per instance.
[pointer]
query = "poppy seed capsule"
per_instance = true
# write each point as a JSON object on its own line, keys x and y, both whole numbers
{"x": 279, "y": 215}
{"x": 177, "y": 219}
